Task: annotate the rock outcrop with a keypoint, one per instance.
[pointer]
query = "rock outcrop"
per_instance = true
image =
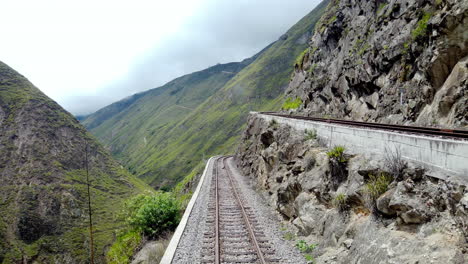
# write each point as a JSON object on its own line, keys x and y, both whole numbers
{"x": 361, "y": 214}
{"x": 392, "y": 61}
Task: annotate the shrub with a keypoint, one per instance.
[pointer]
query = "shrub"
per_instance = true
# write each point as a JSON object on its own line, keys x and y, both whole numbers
{"x": 310, "y": 134}
{"x": 153, "y": 214}
{"x": 337, "y": 154}
{"x": 377, "y": 185}
{"x": 339, "y": 201}
{"x": 292, "y": 104}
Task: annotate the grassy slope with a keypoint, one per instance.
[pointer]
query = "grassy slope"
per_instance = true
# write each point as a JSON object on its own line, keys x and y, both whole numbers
{"x": 163, "y": 146}
{"x": 43, "y": 190}
{"x": 132, "y": 132}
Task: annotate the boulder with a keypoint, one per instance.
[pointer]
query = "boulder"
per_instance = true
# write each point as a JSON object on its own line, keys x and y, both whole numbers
{"x": 383, "y": 203}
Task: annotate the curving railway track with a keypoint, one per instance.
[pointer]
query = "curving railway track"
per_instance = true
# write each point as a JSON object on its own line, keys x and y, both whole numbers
{"x": 233, "y": 233}
{"x": 430, "y": 131}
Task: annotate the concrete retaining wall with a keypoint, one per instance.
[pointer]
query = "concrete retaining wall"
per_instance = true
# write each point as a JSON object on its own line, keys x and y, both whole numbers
{"x": 443, "y": 158}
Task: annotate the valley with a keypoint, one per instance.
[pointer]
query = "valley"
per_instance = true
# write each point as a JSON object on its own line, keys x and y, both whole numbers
{"x": 342, "y": 141}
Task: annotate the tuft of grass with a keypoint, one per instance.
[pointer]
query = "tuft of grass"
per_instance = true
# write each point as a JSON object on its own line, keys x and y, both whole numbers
{"x": 339, "y": 201}
{"x": 292, "y": 104}
{"x": 310, "y": 259}
{"x": 289, "y": 236}
{"x": 381, "y": 6}
{"x": 310, "y": 134}
{"x": 421, "y": 28}
{"x": 124, "y": 247}
{"x": 337, "y": 153}
{"x": 331, "y": 20}
{"x": 377, "y": 185}
{"x": 301, "y": 56}
{"x": 394, "y": 162}
{"x": 363, "y": 49}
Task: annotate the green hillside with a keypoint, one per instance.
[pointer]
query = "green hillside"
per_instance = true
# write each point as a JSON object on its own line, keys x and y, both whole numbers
{"x": 167, "y": 131}
{"x": 43, "y": 191}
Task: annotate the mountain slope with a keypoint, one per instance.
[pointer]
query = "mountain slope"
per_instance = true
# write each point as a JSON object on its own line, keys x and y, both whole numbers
{"x": 43, "y": 201}
{"x": 134, "y": 131}
{"x": 161, "y": 145}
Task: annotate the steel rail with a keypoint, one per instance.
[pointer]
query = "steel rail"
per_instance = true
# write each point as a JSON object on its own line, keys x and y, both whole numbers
{"x": 217, "y": 247}
{"x": 244, "y": 215}
{"x": 454, "y": 133}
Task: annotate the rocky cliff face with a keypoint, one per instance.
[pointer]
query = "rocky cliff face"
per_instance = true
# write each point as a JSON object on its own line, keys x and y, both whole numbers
{"x": 356, "y": 210}
{"x": 395, "y": 61}
{"x": 43, "y": 202}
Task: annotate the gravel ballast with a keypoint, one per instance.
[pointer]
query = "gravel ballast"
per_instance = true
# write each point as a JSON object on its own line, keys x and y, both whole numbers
{"x": 189, "y": 247}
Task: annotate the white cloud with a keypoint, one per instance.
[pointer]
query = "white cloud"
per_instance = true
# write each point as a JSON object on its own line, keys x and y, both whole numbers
{"x": 109, "y": 49}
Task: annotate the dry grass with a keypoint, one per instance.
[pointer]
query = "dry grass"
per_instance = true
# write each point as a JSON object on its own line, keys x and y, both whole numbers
{"x": 394, "y": 163}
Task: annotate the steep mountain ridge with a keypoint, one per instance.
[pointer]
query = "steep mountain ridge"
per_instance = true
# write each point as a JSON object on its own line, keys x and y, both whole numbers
{"x": 43, "y": 193}
{"x": 387, "y": 61}
{"x": 166, "y": 140}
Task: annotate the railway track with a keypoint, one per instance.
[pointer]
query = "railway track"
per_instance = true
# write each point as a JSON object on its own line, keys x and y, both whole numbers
{"x": 452, "y": 133}
{"x": 233, "y": 233}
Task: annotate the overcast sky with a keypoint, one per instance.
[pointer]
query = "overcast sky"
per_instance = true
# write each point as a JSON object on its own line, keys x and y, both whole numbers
{"x": 87, "y": 54}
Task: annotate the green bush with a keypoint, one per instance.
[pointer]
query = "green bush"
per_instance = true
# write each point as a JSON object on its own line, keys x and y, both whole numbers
{"x": 304, "y": 247}
{"x": 377, "y": 185}
{"x": 153, "y": 214}
{"x": 337, "y": 153}
{"x": 292, "y": 104}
